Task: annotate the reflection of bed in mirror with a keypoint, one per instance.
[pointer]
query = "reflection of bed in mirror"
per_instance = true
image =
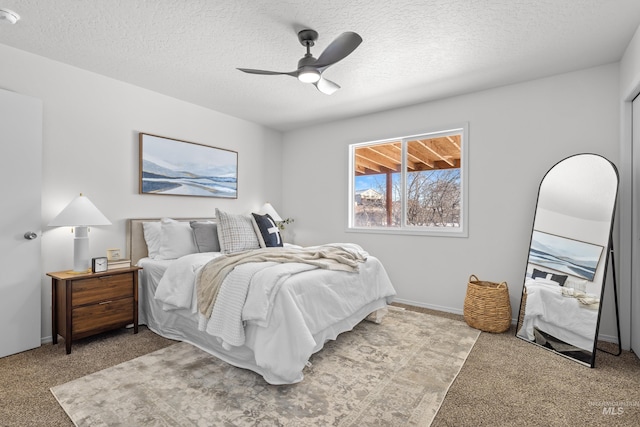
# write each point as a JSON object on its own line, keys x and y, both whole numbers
{"x": 558, "y": 314}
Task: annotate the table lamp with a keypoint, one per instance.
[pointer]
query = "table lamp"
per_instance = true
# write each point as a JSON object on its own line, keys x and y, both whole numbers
{"x": 79, "y": 214}
{"x": 268, "y": 209}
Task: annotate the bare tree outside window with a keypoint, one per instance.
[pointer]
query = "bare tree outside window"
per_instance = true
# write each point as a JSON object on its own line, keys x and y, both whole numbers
{"x": 433, "y": 198}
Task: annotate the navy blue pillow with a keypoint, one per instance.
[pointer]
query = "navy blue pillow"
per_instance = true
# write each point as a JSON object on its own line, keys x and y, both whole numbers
{"x": 560, "y": 279}
{"x": 269, "y": 230}
{"x": 537, "y": 273}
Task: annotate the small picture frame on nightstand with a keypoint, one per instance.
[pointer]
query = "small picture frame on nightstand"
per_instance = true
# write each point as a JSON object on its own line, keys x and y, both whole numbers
{"x": 114, "y": 254}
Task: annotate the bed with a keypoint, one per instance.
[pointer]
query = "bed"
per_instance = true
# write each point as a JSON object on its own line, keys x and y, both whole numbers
{"x": 288, "y": 310}
{"x": 555, "y": 310}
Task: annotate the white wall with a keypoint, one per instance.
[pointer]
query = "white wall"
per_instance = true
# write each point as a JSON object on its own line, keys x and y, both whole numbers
{"x": 630, "y": 68}
{"x": 90, "y": 145}
{"x": 628, "y": 279}
{"x": 516, "y": 133}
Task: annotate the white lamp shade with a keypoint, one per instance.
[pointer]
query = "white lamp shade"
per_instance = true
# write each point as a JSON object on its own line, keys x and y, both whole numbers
{"x": 268, "y": 209}
{"x": 79, "y": 212}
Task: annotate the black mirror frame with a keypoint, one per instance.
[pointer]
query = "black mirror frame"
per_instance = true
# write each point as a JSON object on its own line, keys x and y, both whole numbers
{"x": 609, "y": 253}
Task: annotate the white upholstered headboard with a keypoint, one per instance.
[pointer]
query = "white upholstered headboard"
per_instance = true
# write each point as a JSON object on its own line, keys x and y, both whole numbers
{"x": 136, "y": 245}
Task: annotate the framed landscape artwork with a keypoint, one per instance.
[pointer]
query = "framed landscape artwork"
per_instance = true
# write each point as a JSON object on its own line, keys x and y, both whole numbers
{"x": 566, "y": 255}
{"x": 173, "y": 167}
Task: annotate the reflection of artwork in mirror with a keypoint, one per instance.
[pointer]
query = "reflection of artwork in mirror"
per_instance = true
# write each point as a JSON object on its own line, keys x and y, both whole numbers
{"x": 566, "y": 255}
{"x": 174, "y": 167}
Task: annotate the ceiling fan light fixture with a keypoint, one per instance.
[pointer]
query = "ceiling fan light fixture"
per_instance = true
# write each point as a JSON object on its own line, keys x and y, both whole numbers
{"x": 309, "y": 68}
{"x": 8, "y": 15}
{"x": 308, "y": 75}
{"x": 327, "y": 87}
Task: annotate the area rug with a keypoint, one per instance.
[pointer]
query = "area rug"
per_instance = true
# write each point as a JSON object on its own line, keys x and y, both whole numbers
{"x": 395, "y": 373}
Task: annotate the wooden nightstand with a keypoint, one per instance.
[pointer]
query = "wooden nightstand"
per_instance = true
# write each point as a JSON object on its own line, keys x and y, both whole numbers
{"x": 86, "y": 304}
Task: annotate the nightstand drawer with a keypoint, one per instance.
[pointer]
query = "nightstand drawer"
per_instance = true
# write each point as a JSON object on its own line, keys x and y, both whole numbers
{"x": 104, "y": 288}
{"x": 85, "y": 304}
{"x": 104, "y": 316}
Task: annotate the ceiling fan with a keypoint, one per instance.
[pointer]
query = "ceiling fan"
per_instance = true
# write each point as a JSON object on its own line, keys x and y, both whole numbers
{"x": 310, "y": 69}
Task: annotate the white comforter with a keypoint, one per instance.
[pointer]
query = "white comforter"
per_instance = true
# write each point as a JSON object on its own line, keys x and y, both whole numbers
{"x": 563, "y": 317}
{"x": 276, "y": 309}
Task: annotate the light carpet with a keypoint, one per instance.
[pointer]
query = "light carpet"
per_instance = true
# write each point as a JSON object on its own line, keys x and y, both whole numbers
{"x": 395, "y": 373}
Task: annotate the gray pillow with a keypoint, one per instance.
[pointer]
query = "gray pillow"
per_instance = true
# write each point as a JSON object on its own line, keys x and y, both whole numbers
{"x": 206, "y": 236}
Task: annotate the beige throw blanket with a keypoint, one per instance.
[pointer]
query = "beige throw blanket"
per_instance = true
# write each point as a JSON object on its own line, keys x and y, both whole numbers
{"x": 214, "y": 272}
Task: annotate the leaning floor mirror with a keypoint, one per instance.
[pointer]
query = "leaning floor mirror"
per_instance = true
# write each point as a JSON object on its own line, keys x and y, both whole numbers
{"x": 568, "y": 257}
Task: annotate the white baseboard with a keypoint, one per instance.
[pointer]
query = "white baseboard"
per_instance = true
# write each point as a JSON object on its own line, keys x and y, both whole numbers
{"x": 608, "y": 338}
{"x": 605, "y": 338}
{"x": 429, "y": 306}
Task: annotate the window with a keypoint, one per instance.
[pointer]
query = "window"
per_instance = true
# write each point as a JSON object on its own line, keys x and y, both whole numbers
{"x": 411, "y": 185}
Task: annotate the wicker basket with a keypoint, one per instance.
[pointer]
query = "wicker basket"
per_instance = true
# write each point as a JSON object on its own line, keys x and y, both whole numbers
{"x": 487, "y": 306}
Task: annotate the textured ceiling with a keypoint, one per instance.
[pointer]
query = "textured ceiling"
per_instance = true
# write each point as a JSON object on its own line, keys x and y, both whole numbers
{"x": 413, "y": 51}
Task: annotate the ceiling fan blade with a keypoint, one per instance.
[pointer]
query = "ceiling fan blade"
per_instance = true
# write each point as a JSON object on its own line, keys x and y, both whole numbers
{"x": 326, "y": 86}
{"x": 268, "y": 73}
{"x": 339, "y": 49}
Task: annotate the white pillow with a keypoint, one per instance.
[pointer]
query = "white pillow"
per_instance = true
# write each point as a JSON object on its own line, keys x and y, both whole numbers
{"x": 578, "y": 284}
{"x": 152, "y": 235}
{"x": 543, "y": 281}
{"x": 176, "y": 239}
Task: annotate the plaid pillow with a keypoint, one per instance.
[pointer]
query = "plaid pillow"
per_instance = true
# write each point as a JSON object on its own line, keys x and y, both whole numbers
{"x": 235, "y": 233}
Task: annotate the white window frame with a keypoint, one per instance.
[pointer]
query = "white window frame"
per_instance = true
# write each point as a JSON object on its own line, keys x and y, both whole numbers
{"x": 461, "y": 231}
